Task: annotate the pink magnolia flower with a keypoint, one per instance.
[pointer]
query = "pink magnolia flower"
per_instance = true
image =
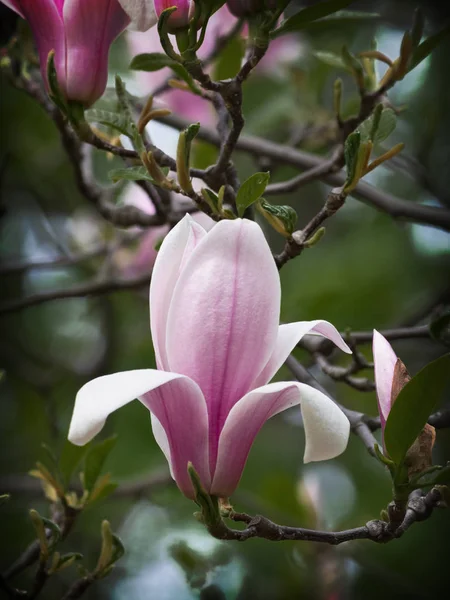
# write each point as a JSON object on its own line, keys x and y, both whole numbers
{"x": 214, "y": 314}
{"x": 81, "y": 33}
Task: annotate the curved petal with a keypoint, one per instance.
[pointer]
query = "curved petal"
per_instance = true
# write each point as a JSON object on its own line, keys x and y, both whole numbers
{"x": 175, "y": 400}
{"x": 289, "y": 336}
{"x": 175, "y": 250}
{"x": 223, "y": 318}
{"x": 90, "y": 27}
{"x": 48, "y": 30}
{"x": 14, "y": 5}
{"x": 326, "y": 428}
{"x": 141, "y": 12}
{"x": 384, "y": 359}
{"x": 161, "y": 439}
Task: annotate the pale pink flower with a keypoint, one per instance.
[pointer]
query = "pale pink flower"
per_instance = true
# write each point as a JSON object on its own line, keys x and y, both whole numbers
{"x": 214, "y": 315}
{"x": 81, "y": 33}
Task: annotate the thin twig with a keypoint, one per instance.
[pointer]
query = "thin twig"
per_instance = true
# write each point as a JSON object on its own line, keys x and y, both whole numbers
{"x": 92, "y": 288}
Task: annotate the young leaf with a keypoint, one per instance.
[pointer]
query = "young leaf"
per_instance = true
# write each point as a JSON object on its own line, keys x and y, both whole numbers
{"x": 332, "y": 59}
{"x": 133, "y": 174}
{"x": 413, "y": 406}
{"x": 95, "y": 460}
{"x": 111, "y": 119}
{"x": 427, "y": 46}
{"x": 386, "y": 125}
{"x": 251, "y": 190}
{"x": 70, "y": 458}
{"x": 152, "y": 61}
{"x": 308, "y": 15}
{"x": 229, "y": 60}
{"x": 351, "y": 150}
{"x": 155, "y": 61}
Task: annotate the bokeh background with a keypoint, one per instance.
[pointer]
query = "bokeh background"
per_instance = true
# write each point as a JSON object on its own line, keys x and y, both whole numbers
{"x": 368, "y": 271}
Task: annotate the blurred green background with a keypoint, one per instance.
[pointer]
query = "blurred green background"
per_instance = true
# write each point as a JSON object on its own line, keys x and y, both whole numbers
{"x": 368, "y": 271}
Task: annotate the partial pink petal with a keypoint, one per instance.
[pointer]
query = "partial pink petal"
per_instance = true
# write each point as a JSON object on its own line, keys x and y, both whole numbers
{"x": 90, "y": 27}
{"x": 384, "y": 360}
{"x": 161, "y": 439}
{"x": 141, "y": 12}
{"x": 177, "y": 246}
{"x": 223, "y": 319}
{"x": 180, "y": 408}
{"x": 13, "y": 5}
{"x": 48, "y": 30}
{"x": 289, "y": 336}
{"x": 326, "y": 428}
{"x": 176, "y": 402}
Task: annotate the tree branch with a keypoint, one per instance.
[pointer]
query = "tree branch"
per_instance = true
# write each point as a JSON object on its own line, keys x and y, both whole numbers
{"x": 395, "y": 207}
{"x": 419, "y": 508}
{"x": 93, "y": 288}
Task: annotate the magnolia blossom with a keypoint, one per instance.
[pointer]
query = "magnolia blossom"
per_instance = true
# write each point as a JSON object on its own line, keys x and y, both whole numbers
{"x": 81, "y": 33}
{"x": 214, "y": 314}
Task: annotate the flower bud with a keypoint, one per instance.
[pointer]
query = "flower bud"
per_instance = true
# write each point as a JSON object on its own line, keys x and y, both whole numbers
{"x": 80, "y": 33}
{"x": 180, "y": 18}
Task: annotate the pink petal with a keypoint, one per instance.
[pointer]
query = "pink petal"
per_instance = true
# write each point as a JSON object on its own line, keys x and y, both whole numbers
{"x": 326, "y": 428}
{"x": 384, "y": 360}
{"x": 177, "y": 404}
{"x": 48, "y": 30}
{"x": 13, "y": 5}
{"x": 223, "y": 319}
{"x": 90, "y": 27}
{"x": 289, "y": 336}
{"x": 174, "y": 251}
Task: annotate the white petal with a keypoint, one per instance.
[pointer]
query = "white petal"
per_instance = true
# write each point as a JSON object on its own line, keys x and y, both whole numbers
{"x": 289, "y": 336}
{"x": 326, "y": 428}
{"x": 141, "y": 12}
{"x": 384, "y": 359}
{"x": 174, "y": 252}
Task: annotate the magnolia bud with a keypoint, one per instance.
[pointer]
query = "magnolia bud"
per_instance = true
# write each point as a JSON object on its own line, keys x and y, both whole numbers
{"x": 180, "y": 18}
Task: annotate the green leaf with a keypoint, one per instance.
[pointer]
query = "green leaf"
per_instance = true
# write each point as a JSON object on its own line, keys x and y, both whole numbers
{"x": 111, "y": 119}
{"x": 427, "y": 46}
{"x": 386, "y": 125}
{"x": 301, "y": 19}
{"x": 413, "y": 406}
{"x": 95, "y": 460}
{"x": 332, "y": 59}
{"x": 351, "y": 150}
{"x": 154, "y": 61}
{"x": 251, "y": 190}
{"x": 229, "y": 60}
{"x": 440, "y": 329}
{"x": 283, "y": 218}
{"x": 133, "y": 174}
{"x": 70, "y": 458}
